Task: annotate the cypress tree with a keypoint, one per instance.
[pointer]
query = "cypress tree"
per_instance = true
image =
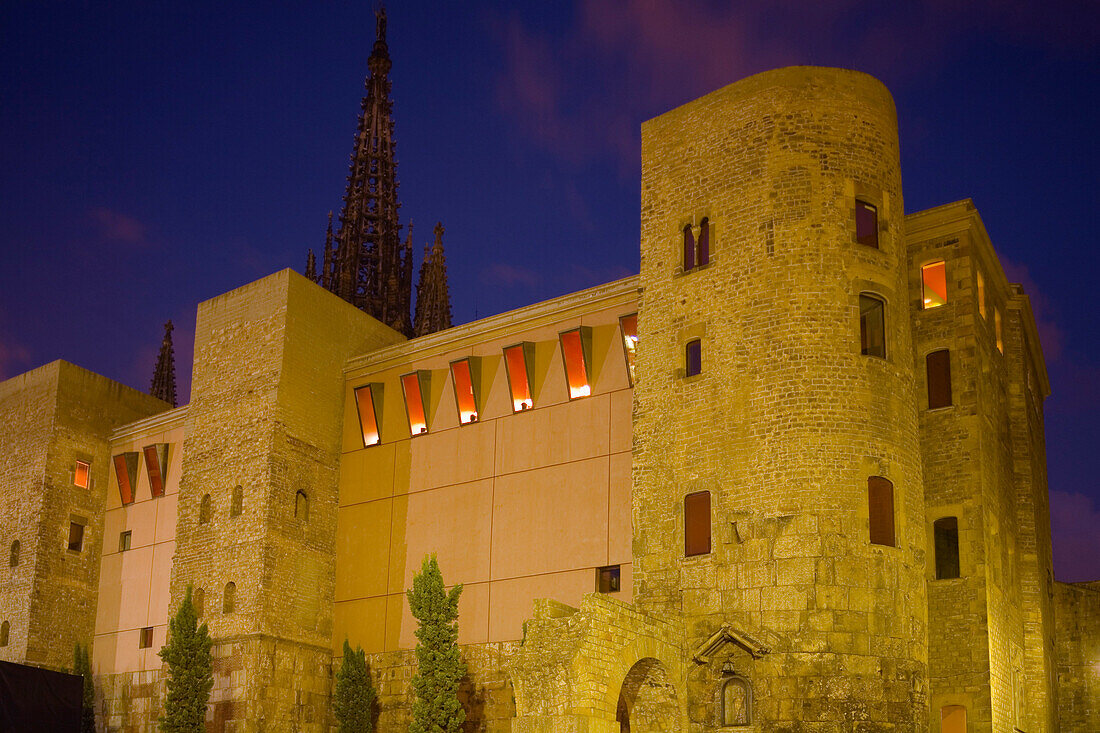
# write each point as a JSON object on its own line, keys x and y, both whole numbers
{"x": 353, "y": 701}
{"x": 439, "y": 664}
{"x": 190, "y": 671}
{"x": 82, "y": 665}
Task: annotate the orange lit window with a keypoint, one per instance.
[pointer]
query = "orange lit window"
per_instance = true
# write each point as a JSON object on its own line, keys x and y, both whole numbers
{"x": 628, "y": 325}
{"x": 519, "y": 383}
{"x": 981, "y": 294}
{"x": 156, "y": 466}
{"x": 463, "y": 379}
{"x": 81, "y": 474}
{"x": 573, "y": 348}
{"x": 866, "y": 224}
{"x": 413, "y": 386}
{"x": 126, "y": 473}
{"x": 933, "y": 285}
{"x": 997, "y": 330}
{"x": 368, "y": 422}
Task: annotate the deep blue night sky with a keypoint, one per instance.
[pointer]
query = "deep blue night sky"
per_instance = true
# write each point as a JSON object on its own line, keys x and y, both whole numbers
{"x": 153, "y": 155}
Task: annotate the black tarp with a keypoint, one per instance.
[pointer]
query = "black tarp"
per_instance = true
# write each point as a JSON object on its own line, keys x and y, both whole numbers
{"x": 34, "y": 700}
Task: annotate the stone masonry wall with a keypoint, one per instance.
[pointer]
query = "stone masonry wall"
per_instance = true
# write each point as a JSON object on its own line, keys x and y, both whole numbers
{"x": 788, "y": 420}
{"x": 1077, "y": 615}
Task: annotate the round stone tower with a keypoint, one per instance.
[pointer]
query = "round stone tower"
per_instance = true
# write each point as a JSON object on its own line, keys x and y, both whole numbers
{"x": 778, "y": 500}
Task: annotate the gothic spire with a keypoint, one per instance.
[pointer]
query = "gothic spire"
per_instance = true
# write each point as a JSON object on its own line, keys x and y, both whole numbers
{"x": 326, "y": 261}
{"x": 311, "y": 265}
{"x": 433, "y": 298}
{"x": 164, "y": 376}
{"x": 371, "y": 266}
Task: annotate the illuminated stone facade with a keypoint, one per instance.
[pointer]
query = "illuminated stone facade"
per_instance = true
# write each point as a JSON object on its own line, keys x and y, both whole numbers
{"x": 812, "y": 498}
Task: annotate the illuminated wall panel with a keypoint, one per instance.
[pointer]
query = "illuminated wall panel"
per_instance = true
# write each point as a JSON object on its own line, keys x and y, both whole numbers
{"x": 518, "y": 360}
{"x": 575, "y": 346}
{"x": 415, "y": 387}
{"x": 463, "y": 377}
{"x": 365, "y": 399}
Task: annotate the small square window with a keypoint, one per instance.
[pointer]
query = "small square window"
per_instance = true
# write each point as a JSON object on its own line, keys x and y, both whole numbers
{"x": 82, "y": 474}
{"x": 76, "y": 536}
{"x": 124, "y": 541}
{"x": 933, "y": 285}
{"x": 693, "y": 358}
{"x": 146, "y": 639}
{"x": 607, "y": 579}
{"x": 866, "y": 224}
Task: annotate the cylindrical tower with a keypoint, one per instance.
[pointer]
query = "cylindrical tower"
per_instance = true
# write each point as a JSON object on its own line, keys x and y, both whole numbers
{"x": 777, "y": 475}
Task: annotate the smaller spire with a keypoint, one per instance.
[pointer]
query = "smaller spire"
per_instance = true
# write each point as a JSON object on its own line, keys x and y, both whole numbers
{"x": 433, "y": 299}
{"x": 311, "y": 266}
{"x": 326, "y": 262}
{"x": 379, "y": 61}
{"x": 164, "y": 376}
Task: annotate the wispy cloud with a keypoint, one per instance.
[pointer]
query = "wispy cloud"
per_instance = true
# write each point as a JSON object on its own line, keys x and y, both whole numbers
{"x": 510, "y": 276}
{"x": 114, "y": 227}
{"x": 1051, "y": 335}
{"x": 1073, "y": 520}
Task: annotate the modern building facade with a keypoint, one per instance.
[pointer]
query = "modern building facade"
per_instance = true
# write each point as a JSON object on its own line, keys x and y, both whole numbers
{"x": 791, "y": 477}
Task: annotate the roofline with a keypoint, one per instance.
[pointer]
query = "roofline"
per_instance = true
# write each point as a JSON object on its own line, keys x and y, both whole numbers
{"x": 167, "y": 420}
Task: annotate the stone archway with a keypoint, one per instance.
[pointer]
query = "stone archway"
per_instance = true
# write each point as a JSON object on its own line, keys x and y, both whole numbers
{"x": 647, "y": 700}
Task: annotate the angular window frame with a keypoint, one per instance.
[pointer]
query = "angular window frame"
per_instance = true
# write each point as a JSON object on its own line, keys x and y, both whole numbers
{"x": 582, "y": 347}
{"x": 369, "y": 396}
{"x": 926, "y": 271}
{"x": 522, "y": 400}
{"x": 126, "y": 465}
{"x": 698, "y": 520}
{"x": 628, "y": 331}
{"x": 156, "y": 467}
{"x": 937, "y": 372}
{"x": 125, "y": 540}
{"x": 864, "y": 329}
{"x": 863, "y": 236}
{"x": 465, "y": 387}
{"x": 421, "y": 378}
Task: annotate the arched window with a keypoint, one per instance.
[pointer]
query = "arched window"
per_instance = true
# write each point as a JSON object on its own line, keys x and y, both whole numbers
{"x": 945, "y": 532}
{"x": 206, "y": 509}
{"x": 689, "y": 248}
{"x": 229, "y": 599}
{"x": 13, "y": 559}
{"x": 953, "y": 719}
{"x": 736, "y": 702}
{"x": 5, "y": 629}
{"x": 880, "y": 505}
{"x": 301, "y": 506}
{"x": 693, "y": 358}
{"x": 704, "y": 241}
{"x": 237, "y": 505}
{"x": 872, "y": 326}
{"x": 198, "y": 600}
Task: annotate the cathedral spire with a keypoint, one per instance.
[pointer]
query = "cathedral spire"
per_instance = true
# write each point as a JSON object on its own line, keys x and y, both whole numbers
{"x": 164, "y": 376}
{"x": 433, "y": 298}
{"x": 311, "y": 265}
{"x": 326, "y": 261}
{"x": 371, "y": 267}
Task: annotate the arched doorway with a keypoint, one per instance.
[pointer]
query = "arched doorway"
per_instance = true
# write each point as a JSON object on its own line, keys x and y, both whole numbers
{"x": 647, "y": 700}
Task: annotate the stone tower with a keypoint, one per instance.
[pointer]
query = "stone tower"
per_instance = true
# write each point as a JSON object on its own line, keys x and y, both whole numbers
{"x": 371, "y": 267}
{"x": 761, "y": 429}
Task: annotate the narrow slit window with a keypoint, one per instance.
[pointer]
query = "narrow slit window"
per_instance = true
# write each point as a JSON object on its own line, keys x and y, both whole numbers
{"x": 236, "y": 504}
{"x": 516, "y": 363}
{"x": 697, "y": 524}
{"x": 82, "y": 474}
{"x": 880, "y": 501}
{"x": 156, "y": 466}
{"x": 13, "y": 558}
{"x": 124, "y": 539}
{"x": 206, "y": 509}
{"x": 5, "y": 633}
{"x": 628, "y": 326}
{"x": 368, "y": 417}
{"x": 981, "y": 293}
{"x": 693, "y": 358}
{"x": 608, "y": 579}
{"x": 146, "y": 640}
{"x": 76, "y": 536}
{"x": 301, "y": 507}
{"x": 945, "y": 533}
{"x": 933, "y": 278}
{"x": 704, "y": 242}
{"x": 997, "y": 330}
{"x": 872, "y": 326}
{"x": 938, "y": 369}
{"x": 462, "y": 377}
{"x": 414, "y": 387}
{"x": 574, "y": 351}
{"x": 126, "y": 474}
{"x": 689, "y": 248}
{"x": 953, "y": 719}
{"x": 866, "y": 224}
{"x": 198, "y": 600}
{"x": 229, "y": 598}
